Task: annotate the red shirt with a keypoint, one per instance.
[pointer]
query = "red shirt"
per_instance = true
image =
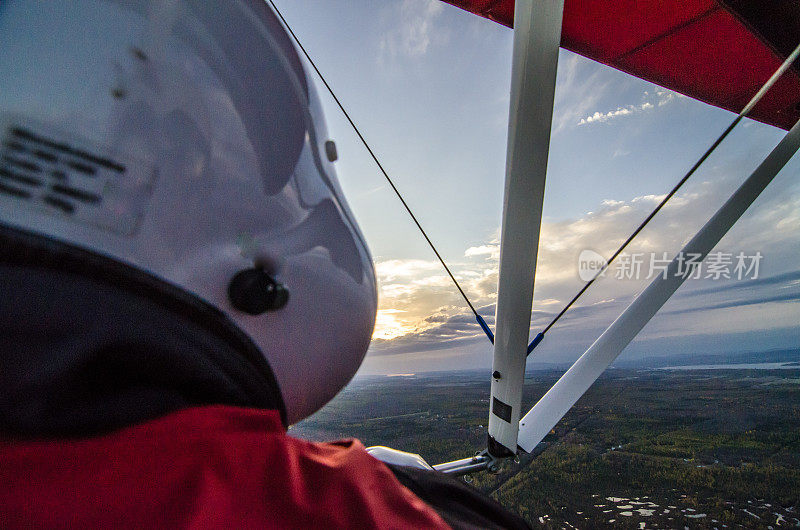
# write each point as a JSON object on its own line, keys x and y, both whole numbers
{"x": 205, "y": 467}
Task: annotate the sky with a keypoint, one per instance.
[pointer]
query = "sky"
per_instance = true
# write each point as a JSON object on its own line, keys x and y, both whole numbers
{"x": 428, "y": 85}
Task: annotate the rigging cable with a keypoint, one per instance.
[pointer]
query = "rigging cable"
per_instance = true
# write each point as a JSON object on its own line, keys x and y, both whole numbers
{"x": 771, "y": 81}
{"x": 478, "y": 317}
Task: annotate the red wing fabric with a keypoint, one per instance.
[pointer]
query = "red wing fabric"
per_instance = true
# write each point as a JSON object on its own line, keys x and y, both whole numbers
{"x": 717, "y": 51}
{"x": 205, "y": 467}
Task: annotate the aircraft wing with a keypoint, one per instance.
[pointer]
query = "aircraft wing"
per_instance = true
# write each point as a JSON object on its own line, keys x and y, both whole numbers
{"x": 716, "y": 51}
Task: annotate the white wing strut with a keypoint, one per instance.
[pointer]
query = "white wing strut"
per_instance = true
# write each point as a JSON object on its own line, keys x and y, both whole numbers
{"x": 560, "y": 398}
{"x": 537, "y": 35}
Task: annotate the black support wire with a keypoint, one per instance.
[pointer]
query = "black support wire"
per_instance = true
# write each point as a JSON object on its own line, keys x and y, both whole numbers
{"x": 385, "y": 174}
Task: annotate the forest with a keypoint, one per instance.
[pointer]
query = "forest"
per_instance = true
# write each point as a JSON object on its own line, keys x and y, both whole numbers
{"x": 644, "y": 448}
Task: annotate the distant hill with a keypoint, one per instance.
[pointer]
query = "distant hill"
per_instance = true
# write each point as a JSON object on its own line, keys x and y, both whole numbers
{"x": 791, "y": 355}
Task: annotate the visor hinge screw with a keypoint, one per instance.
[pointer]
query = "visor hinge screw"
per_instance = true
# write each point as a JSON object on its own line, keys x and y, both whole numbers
{"x": 254, "y": 292}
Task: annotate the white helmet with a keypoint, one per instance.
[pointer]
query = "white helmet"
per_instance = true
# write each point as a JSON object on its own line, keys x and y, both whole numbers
{"x": 184, "y": 140}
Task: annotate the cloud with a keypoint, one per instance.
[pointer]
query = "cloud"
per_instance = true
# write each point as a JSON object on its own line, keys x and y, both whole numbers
{"x": 390, "y": 270}
{"x": 657, "y": 99}
{"x": 667, "y": 96}
{"x": 414, "y": 29}
{"x": 599, "y": 117}
{"x": 620, "y": 152}
{"x": 765, "y": 299}
{"x": 786, "y": 279}
{"x": 422, "y": 311}
{"x": 580, "y": 86}
{"x": 491, "y": 251}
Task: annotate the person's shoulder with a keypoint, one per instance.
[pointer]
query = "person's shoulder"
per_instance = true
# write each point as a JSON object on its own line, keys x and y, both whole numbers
{"x": 355, "y": 489}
